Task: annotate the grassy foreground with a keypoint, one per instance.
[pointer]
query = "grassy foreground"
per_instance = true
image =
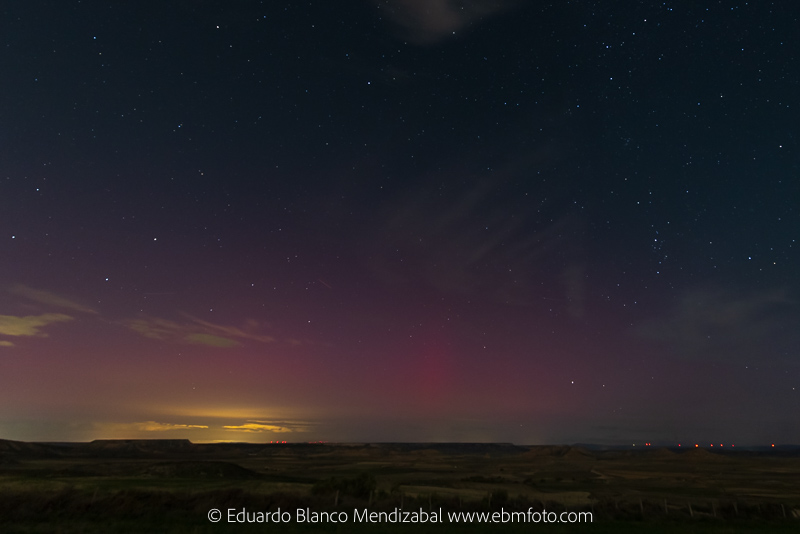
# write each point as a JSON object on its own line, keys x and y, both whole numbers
{"x": 172, "y": 486}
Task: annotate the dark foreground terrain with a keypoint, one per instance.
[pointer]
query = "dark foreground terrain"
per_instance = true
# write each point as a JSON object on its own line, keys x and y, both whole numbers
{"x": 175, "y": 486}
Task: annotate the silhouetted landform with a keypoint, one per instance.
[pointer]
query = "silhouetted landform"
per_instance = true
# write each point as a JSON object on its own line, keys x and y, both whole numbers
{"x": 21, "y": 448}
{"x": 179, "y": 447}
{"x": 136, "y": 484}
{"x": 155, "y": 445}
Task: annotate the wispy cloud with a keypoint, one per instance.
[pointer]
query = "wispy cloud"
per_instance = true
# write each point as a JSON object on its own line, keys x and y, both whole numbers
{"x": 195, "y": 331}
{"x": 278, "y": 427}
{"x": 465, "y": 244}
{"x": 722, "y": 324}
{"x": 211, "y": 340}
{"x": 30, "y": 325}
{"x": 50, "y": 299}
{"x": 191, "y": 330}
{"x": 34, "y": 325}
{"x": 145, "y": 426}
{"x": 232, "y": 331}
{"x": 155, "y": 328}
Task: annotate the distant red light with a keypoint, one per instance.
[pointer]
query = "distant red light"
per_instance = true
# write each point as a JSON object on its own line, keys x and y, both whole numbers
{"x": 696, "y": 445}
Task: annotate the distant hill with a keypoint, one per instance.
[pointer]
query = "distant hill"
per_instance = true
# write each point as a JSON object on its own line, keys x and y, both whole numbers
{"x": 559, "y": 451}
{"x": 23, "y": 448}
{"x": 140, "y": 445}
{"x": 171, "y": 449}
{"x": 456, "y": 448}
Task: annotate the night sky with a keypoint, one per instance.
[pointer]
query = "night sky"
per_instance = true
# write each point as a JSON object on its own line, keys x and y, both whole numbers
{"x": 400, "y": 220}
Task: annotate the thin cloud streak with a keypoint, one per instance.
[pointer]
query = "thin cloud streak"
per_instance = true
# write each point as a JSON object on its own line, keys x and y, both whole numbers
{"x": 146, "y": 426}
{"x": 195, "y": 332}
{"x": 48, "y": 298}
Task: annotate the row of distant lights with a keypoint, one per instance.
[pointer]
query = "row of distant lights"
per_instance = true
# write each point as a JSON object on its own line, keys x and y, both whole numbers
{"x": 646, "y": 444}
{"x": 696, "y": 445}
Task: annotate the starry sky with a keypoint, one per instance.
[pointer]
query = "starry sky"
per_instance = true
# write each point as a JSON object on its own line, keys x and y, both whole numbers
{"x": 400, "y": 220}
